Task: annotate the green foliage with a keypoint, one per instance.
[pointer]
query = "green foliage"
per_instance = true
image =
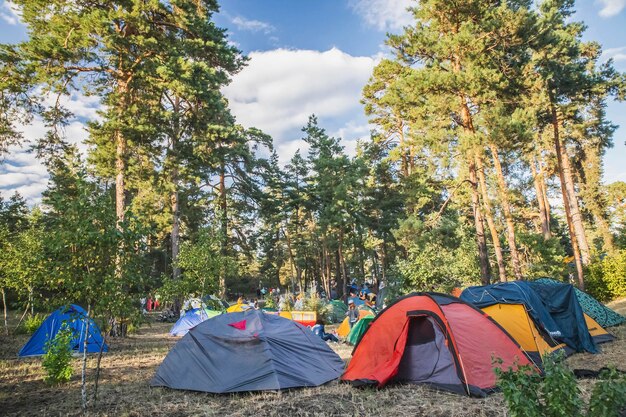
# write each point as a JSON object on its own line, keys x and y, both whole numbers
{"x": 439, "y": 258}
{"x": 58, "y": 357}
{"x": 31, "y": 324}
{"x": 606, "y": 278}
{"x": 202, "y": 265}
{"x": 520, "y": 389}
{"x": 608, "y": 398}
{"x": 270, "y": 302}
{"x": 559, "y": 392}
{"x": 312, "y": 302}
{"x": 556, "y": 394}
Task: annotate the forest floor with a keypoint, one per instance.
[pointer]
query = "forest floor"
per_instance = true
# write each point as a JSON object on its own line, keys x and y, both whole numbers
{"x": 132, "y": 362}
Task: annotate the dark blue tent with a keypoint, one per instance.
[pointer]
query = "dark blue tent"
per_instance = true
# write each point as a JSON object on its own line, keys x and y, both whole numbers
{"x": 75, "y": 318}
{"x": 552, "y": 307}
{"x": 248, "y": 351}
{"x": 191, "y": 319}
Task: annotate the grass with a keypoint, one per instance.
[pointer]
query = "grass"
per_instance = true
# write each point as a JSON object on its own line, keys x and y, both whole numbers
{"x": 132, "y": 362}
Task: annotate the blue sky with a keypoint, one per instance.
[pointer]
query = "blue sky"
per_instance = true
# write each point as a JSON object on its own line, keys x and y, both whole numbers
{"x": 309, "y": 57}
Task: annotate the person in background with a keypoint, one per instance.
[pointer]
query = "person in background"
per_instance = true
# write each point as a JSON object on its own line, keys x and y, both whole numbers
{"x": 318, "y": 330}
{"x": 370, "y": 302}
{"x": 352, "y": 313}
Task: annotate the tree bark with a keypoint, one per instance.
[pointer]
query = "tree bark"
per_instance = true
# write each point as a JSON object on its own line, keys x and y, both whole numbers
{"x": 175, "y": 206}
{"x": 506, "y": 209}
{"x": 224, "y": 227}
{"x": 566, "y": 176}
{"x": 544, "y": 215}
{"x": 488, "y": 215}
{"x": 566, "y": 202}
{"x": 481, "y": 241}
{"x": 83, "y": 389}
{"x": 4, "y": 307}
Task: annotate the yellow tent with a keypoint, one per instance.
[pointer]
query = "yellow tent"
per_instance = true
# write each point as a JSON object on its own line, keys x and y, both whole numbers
{"x": 515, "y": 320}
{"x": 236, "y": 308}
{"x": 597, "y": 332}
{"x": 344, "y": 328}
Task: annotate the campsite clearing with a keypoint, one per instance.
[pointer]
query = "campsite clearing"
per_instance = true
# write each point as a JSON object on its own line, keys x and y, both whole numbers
{"x": 132, "y": 362}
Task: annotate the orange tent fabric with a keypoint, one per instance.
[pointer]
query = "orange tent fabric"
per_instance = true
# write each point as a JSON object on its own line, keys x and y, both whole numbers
{"x": 344, "y": 327}
{"x": 434, "y": 339}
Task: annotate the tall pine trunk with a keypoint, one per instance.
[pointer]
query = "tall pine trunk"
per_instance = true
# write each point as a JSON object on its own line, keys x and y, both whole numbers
{"x": 175, "y": 206}
{"x": 540, "y": 191}
{"x": 566, "y": 200}
{"x": 489, "y": 217}
{"x": 224, "y": 228}
{"x": 569, "y": 191}
{"x": 506, "y": 209}
{"x": 481, "y": 241}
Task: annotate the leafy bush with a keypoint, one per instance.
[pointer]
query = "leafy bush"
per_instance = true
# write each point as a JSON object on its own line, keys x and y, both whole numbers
{"x": 556, "y": 394}
{"x": 608, "y": 398}
{"x": 31, "y": 324}
{"x": 606, "y": 278}
{"x": 312, "y": 302}
{"x": 58, "y": 357}
{"x": 520, "y": 390}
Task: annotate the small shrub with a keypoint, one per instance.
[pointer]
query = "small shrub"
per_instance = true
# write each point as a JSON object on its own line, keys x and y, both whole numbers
{"x": 608, "y": 398}
{"x": 30, "y": 324}
{"x": 314, "y": 303}
{"x": 606, "y": 278}
{"x": 559, "y": 390}
{"x": 556, "y": 394}
{"x": 520, "y": 389}
{"x": 58, "y": 357}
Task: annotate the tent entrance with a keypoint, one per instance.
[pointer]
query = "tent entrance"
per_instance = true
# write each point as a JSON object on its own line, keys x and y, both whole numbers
{"x": 426, "y": 357}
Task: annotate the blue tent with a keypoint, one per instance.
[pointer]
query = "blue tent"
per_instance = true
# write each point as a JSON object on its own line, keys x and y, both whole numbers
{"x": 73, "y": 316}
{"x": 552, "y": 307}
{"x": 191, "y": 319}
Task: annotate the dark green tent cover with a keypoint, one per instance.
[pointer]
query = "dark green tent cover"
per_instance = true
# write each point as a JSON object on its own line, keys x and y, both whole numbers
{"x": 592, "y": 307}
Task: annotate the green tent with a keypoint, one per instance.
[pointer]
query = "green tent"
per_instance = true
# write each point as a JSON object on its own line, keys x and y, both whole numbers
{"x": 359, "y": 328}
{"x": 338, "y": 311}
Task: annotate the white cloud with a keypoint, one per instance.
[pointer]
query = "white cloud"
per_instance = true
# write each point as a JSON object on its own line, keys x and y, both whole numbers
{"x": 280, "y": 89}
{"x": 611, "y": 7}
{"x": 21, "y": 171}
{"x": 10, "y": 13}
{"x": 384, "y": 14}
{"x": 252, "y": 25}
{"x": 618, "y": 54}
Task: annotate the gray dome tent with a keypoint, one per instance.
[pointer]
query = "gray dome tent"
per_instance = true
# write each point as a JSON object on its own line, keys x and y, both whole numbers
{"x": 249, "y": 351}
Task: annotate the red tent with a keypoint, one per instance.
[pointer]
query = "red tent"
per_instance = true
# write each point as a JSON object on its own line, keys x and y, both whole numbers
{"x": 435, "y": 339}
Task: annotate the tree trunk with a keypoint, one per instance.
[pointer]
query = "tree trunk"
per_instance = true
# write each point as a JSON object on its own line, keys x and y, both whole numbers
{"x": 566, "y": 176}
{"x": 83, "y": 389}
{"x": 566, "y": 202}
{"x": 174, "y": 161}
{"x": 506, "y": 209}
{"x": 488, "y": 215}
{"x": 224, "y": 227}
{"x": 342, "y": 261}
{"x": 175, "y": 226}
{"x": 4, "y": 306}
{"x": 544, "y": 215}
{"x": 481, "y": 241}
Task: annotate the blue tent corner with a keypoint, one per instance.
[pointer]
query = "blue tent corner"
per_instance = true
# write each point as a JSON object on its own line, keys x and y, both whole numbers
{"x": 76, "y": 318}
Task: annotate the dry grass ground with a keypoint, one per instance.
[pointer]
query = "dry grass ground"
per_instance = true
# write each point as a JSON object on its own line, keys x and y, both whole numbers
{"x": 132, "y": 362}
